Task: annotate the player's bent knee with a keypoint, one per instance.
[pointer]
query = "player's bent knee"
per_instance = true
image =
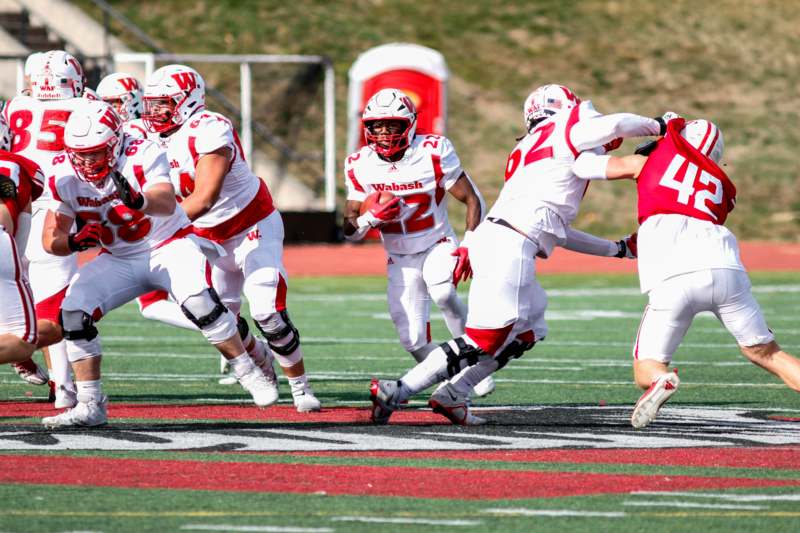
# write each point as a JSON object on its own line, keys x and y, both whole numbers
{"x": 444, "y": 295}
{"x": 78, "y": 325}
{"x": 460, "y": 354}
{"x": 760, "y": 353}
{"x": 206, "y": 311}
{"x": 516, "y": 348}
{"x": 282, "y": 337}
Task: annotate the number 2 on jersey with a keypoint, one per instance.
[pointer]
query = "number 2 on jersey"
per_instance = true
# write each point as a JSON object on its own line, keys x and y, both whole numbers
{"x": 415, "y": 222}
{"x": 535, "y": 153}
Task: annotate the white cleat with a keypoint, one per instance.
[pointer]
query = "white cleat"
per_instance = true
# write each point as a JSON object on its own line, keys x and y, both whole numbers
{"x": 88, "y": 412}
{"x": 29, "y": 371}
{"x": 447, "y": 402}
{"x": 65, "y": 398}
{"x": 383, "y": 392}
{"x": 484, "y": 388}
{"x": 653, "y": 398}
{"x": 264, "y": 394}
{"x": 303, "y": 396}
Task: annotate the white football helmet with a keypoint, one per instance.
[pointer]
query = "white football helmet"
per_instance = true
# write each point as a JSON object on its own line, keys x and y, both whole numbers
{"x": 5, "y": 134}
{"x": 706, "y": 137}
{"x": 124, "y": 93}
{"x": 546, "y": 101}
{"x": 93, "y": 140}
{"x": 389, "y": 104}
{"x": 56, "y": 75}
{"x": 172, "y": 94}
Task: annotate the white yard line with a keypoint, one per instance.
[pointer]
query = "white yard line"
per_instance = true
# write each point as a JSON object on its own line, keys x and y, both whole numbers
{"x": 267, "y": 529}
{"x": 723, "y": 496}
{"x": 693, "y": 505}
{"x": 423, "y": 521}
{"x": 554, "y": 512}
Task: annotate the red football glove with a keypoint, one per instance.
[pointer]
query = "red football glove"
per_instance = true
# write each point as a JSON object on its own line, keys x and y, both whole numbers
{"x": 387, "y": 212}
{"x": 463, "y": 269}
{"x": 88, "y": 237}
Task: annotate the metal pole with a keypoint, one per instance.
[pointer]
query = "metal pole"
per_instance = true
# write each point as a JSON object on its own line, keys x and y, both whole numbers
{"x": 330, "y": 138}
{"x": 247, "y": 111}
{"x": 20, "y": 75}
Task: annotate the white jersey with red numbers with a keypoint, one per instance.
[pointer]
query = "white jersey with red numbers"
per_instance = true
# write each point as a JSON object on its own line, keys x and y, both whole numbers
{"x": 244, "y": 198}
{"x": 128, "y": 233}
{"x": 37, "y": 126}
{"x": 428, "y": 168}
{"x": 542, "y": 194}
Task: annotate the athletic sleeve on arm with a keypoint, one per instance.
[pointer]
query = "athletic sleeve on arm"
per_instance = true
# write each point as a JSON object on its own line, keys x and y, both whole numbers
{"x": 591, "y": 166}
{"x": 355, "y": 190}
{"x": 450, "y": 164}
{"x": 598, "y": 130}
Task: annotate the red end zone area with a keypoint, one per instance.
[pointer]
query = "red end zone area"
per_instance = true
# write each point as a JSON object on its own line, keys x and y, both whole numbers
{"x": 370, "y": 260}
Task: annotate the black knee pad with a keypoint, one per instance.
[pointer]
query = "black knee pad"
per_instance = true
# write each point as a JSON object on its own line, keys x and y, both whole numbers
{"x": 467, "y": 355}
{"x": 286, "y": 329}
{"x": 514, "y": 350}
{"x": 244, "y": 329}
{"x": 217, "y": 311}
{"x": 83, "y": 331}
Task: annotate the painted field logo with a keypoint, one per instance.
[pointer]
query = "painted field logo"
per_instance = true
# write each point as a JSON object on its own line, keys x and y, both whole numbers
{"x": 531, "y": 428}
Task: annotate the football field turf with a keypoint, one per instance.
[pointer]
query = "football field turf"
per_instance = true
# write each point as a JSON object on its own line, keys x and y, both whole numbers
{"x": 184, "y": 453}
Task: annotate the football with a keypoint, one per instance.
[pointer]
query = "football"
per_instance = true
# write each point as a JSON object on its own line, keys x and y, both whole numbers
{"x": 376, "y": 198}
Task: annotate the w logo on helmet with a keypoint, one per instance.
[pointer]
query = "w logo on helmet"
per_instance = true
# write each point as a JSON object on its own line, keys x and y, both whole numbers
{"x": 185, "y": 80}
{"x": 129, "y": 84}
{"x": 111, "y": 119}
{"x": 409, "y": 104}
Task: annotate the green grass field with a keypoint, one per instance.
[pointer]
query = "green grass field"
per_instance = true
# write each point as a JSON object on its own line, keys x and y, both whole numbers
{"x": 570, "y": 397}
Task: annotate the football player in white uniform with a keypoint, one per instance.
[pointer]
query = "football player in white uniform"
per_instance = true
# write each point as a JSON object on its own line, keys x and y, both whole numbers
{"x": 56, "y": 84}
{"x": 689, "y": 260}
{"x": 125, "y": 94}
{"x": 531, "y": 216}
{"x": 120, "y": 187}
{"x": 229, "y": 205}
{"x": 21, "y": 182}
{"x": 425, "y": 261}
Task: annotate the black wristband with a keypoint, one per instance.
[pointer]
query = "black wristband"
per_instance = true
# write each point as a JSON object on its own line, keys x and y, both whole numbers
{"x": 623, "y": 249}
{"x": 662, "y": 125}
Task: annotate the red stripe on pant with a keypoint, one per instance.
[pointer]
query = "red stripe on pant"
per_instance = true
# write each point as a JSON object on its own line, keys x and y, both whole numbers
{"x": 489, "y": 340}
{"x": 50, "y": 307}
{"x": 31, "y": 333}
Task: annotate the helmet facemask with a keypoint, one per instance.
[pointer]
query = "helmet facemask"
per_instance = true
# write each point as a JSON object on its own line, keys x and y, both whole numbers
{"x": 94, "y": 164}
{"x": 394, "y": 137}
{"x": 160, "y": 113}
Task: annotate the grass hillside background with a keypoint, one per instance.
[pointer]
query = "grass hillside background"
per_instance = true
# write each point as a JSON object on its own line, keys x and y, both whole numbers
{"x": 734, "y": 62}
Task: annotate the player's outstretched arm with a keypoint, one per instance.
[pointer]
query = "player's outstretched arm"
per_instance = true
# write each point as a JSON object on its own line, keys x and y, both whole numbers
{"x": 601, "y": 129}
{"x": 210, "y": 173}
{"x": 591, "y": 166}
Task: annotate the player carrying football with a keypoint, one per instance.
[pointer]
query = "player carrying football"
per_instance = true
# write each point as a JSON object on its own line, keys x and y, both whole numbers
{"x": 425, "y": 260}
